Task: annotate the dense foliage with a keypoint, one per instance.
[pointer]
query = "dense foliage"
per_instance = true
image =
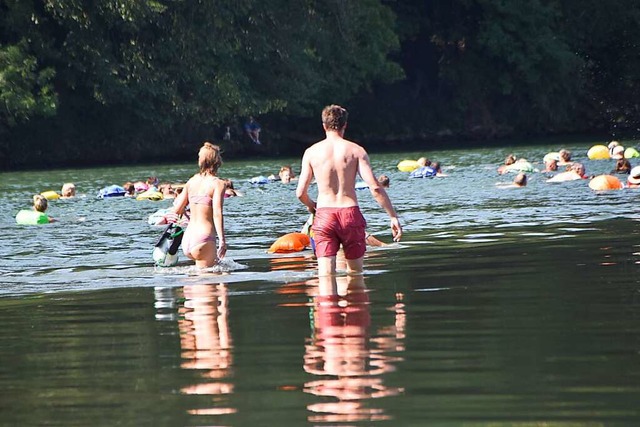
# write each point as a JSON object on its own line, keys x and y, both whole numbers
{"x": 146, "y": 80}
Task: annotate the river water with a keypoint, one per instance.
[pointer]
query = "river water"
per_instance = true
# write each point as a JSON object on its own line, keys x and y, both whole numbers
{"x": 500, "y": 307}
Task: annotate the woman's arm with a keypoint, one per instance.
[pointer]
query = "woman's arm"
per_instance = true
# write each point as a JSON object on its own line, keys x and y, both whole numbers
{"x": 182, "y": 200}
{"x": 218, "y": 216}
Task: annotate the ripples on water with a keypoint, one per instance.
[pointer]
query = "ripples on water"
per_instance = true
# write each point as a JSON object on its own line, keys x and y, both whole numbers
{"x": 499, "y": 307}
{"x": 110, "y": 238}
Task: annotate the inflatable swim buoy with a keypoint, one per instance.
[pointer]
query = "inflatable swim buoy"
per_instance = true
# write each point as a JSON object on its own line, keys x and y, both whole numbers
{"x": 361, "y": 185}
{"x": 50, "y": 195}
{"x": 598, "y": 152}
{"x": 154, "y": 195}
{"x": 408, "y": 165}
{"x": 519, "y": 166}
{"x": 31, "y": 217}
{"x": 551, "y": 156}
{"x": 630, "y": 153}
{"x": 259, "y": 180}
{"x": 605, "y": 182}
{"x": 111, "y": 191}
{"x": 292, "y": 242}
{"x": 423, "y": 172}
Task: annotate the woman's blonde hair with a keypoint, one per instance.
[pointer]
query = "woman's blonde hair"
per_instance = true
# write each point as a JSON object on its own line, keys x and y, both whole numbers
{"x": 40, "y": 203}
{"x": 209, "y": 158}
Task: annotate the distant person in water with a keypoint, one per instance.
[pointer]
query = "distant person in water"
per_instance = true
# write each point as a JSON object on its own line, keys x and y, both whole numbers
{"x": 384, "y": 181}
{"x": 423, "y": 161}
{"x": 36, "y": 215}
{"x": 130, "y": 189}
{"x": 40, "y": 204}
{"x": 438, "y": 169}
{"x": 167, "y": 191}
{"x": 633, "y": 181}
{"x": 508, "y": 161}
{"x": 520, "y": 180}
{"x": 565, "y": 158}
{"x": 68, "y": 190}
{"x": 229, "y": 190}
{"x": 285, "y": 175}
{"x": 616, "y": 151}
{"x": 574, "y": 172}
{"x": 623, "y": 166}
{"x": 550, "y": 165}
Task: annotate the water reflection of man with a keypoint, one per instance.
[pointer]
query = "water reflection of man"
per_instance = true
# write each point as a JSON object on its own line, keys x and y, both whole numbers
{"x": 206, "y": 343}
{"x": 340, "y": 351}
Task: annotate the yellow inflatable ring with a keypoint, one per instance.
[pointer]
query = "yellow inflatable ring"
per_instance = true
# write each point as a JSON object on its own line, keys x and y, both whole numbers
{"x": 150, "y": 195}
{"x": 408, "y": 165}
{"x": 605, "y": 182}
{"x": 292, "y": 242}
{"x": 598, "y": 152}
{"x": 50, "y": 195}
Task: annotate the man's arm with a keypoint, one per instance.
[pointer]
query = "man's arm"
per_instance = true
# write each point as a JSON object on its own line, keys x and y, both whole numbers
{"x": 302, "y": 190}
{"x": 380, "y": 195}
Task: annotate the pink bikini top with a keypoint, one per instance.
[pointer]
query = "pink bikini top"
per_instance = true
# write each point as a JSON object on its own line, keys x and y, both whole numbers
{"x": 200, "y": 200}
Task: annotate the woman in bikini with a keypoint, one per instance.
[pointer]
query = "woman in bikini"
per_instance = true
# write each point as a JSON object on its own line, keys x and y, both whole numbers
{"x": 204, "y": 193}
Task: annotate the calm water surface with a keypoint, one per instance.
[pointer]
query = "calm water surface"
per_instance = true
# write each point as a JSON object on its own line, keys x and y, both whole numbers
{"x": 500, "y": 307}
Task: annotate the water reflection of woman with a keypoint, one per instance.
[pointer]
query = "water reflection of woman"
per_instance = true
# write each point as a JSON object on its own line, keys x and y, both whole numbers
{"x": 206, "y": 343}
{"x": 342, "y": 352}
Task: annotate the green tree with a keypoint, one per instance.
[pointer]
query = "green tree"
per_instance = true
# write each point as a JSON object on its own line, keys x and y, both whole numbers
{"x": 25, "y": 89}
{"x": 483, "y": 68}
{"x": 605, "y": 34}
{"x": 141, "y": 70}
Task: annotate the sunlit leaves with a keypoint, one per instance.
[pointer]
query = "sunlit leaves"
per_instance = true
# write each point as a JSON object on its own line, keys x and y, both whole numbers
{"x": 25, "y": 88}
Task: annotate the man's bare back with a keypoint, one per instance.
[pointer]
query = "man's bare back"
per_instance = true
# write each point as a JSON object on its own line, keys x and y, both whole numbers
{"x": 334, "y": 163}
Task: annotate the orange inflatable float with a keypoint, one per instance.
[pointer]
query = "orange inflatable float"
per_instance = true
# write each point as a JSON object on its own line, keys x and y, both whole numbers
{"x": 292, "y": 242}
{"x": 605, "y": 182}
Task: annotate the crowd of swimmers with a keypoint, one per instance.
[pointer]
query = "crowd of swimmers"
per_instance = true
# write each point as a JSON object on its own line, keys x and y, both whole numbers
{"x": 560, "y": 167}
{"x": 336, "y": 209}
{"x": 37, "y": 214}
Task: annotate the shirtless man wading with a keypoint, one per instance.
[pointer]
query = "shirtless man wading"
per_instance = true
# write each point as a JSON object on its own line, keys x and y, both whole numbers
{"x": 335, "y": 162}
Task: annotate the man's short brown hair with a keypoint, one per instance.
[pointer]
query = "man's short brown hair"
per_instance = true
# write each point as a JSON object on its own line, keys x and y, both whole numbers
{"x": 334, "y": 117}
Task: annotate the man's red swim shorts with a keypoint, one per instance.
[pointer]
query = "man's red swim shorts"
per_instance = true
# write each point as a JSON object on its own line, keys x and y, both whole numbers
{"x": 335, "y": 226}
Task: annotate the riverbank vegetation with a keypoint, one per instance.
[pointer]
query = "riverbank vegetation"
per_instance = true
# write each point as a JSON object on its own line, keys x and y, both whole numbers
{"x": 131, "y": 81}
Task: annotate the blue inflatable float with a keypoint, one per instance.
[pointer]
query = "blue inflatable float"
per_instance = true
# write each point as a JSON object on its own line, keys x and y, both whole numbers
{"x": 258, "y": 180}
{"x": 111, "y": 191}
{"x": 423, "y": 172}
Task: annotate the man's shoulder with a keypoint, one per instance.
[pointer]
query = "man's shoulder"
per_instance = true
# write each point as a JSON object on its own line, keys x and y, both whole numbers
{"x": 327, "y": 145}
{"x": 317, "y": 146}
